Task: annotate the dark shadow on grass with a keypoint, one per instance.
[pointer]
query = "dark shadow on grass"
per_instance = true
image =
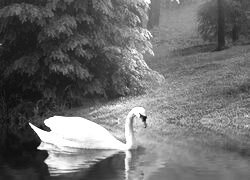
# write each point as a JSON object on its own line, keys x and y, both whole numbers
{"x": 237, "y": 90}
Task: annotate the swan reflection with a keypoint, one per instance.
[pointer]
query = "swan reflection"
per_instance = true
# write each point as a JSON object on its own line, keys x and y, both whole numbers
{"x": 95, "y": 164}
{"x": 69, "y": 162}
{"x": 81, "y": 164}
{"x": 153, "y": 162}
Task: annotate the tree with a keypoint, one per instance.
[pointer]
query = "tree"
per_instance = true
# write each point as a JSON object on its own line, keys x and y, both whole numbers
{"x": 154, "y": 13}
{"x": 234, "y": 19}
{"x": 221, "y": 25}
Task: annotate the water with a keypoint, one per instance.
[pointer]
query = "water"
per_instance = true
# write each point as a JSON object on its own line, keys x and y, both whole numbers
{"x": 150, "y": 162}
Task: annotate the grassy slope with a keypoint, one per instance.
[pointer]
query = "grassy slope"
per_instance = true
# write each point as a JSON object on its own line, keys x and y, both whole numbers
{"x": 205, "y": 99}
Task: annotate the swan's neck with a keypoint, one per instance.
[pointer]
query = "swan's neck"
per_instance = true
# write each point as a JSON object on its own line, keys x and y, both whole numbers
{"x": 129, "y": 132}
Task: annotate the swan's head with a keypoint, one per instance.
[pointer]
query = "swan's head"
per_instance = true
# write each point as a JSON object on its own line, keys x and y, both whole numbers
{"x": 140, "y": 112}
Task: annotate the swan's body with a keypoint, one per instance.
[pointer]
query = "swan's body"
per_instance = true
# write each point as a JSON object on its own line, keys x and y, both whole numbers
{"x": 77, "y": 132}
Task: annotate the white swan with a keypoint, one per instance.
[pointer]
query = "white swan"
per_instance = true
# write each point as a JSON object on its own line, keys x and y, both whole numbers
{"x": 77, "y": 132}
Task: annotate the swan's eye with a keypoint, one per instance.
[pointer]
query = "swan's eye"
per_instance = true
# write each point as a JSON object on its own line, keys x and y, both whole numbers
{"x": 144, "y": 118}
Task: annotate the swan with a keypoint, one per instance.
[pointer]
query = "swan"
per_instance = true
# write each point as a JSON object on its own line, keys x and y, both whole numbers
{"x": 78, "y": 132}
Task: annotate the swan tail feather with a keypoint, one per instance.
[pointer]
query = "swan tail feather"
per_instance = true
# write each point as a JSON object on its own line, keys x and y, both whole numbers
{"x": 43, "y": 135}
{"x": 50, "y": 140}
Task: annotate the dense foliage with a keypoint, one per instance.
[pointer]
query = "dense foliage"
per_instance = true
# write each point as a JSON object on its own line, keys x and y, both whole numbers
{"x": 58, "y": 51}
{"x": 235, "y": 19}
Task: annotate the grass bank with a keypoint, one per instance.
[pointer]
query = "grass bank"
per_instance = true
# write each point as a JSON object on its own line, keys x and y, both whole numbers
{"x": 205, "y": 99}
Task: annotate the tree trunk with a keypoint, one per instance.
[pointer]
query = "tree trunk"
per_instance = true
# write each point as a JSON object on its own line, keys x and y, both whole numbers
{"x": 154, "y": 13}
{"x": 221, "y": 25}
{"x": 235, "y": 33}
{"x": 3, "y": 137}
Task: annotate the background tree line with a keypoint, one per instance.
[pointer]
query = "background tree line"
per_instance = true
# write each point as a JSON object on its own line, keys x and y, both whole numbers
{"x": 156, "y": 6}
{"x": 224, "y": 21}
{"x": 221, "y": 21}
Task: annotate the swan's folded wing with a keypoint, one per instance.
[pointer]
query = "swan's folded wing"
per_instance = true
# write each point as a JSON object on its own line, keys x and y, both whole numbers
{"x": 79, "y": 130}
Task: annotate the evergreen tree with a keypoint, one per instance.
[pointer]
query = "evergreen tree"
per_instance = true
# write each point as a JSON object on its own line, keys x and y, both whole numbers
{"x": 220, "y": 25}
{"x": 62, "y": 50}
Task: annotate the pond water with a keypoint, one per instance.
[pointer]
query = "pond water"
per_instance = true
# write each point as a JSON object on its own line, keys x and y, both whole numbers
{"x": 151, "y": 162}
